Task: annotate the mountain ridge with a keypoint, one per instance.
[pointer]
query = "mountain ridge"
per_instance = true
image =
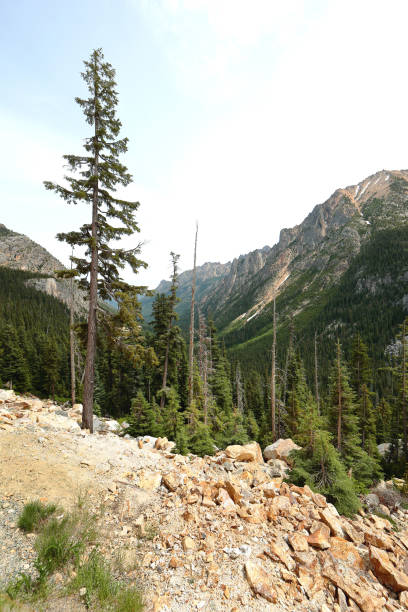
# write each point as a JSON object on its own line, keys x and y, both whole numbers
{"x": 305, "y": 266}
{"x": 19, "y": 252}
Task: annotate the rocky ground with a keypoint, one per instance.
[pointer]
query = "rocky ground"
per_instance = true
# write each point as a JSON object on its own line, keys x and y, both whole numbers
{"x": 222, "y": 533}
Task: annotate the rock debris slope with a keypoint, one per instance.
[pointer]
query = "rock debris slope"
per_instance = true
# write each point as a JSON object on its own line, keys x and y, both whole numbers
{"x": 214, "y": 533}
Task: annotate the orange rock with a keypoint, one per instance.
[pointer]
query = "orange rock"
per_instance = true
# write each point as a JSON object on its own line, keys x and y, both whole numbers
{"x": 346, "y": 551}
{"x": 149, "y": 480}
{"x": 225, "y": 502}
{"x": 378, "y": 540}
{"x": 233, "y": 491}
{"x": 319, "y": 500}
{"x": 188, "y": 544}
{"x": 385, "y": 571}
{"x": 352, "y": 533}
{"x": 171, "y": 481}
{"x": 281, "y": 551}
{"x": 348, "y": 581}
{"x": 174, "y": 562}
{"x": 260, "y": 581}
{"x": 255, "y": 514}
{"x": 332, "y": 522}
{"x": 320, "y": 538}
{"x": 298, "y": 542}
{"x": 247, "y": 452}
{"x": 280, "y": 505}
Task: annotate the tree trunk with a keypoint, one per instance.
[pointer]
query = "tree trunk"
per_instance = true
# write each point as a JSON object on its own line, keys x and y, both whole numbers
{"x": 404, "y": 391}
{"x": 191, "y": 346}
{"x": 273, "y": 375}
{"x": 339, "y": 406}
{"x": 166, "y": 364}
{"x": 316, "y": 375}
{"x": 72, "y": 341}
{"x": 89, "y": 380}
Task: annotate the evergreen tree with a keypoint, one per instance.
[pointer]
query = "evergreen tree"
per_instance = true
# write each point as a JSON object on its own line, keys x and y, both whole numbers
{"x": 145, "y": 419}
{"x": 174, "y": 426}
{"x": 361, "y": 372}
{"x": 100, "y": 172}
{"x": 318, "y": 465}
{"x": 50, "y": 367}
{"x": 252, "y": 426}
{"x": 384, "y": 419}
{"x": 368, "y": 424}
{"x": 13, "y": 365}
{"x": 296, "y": 394}
{"x": 344, "y": 425}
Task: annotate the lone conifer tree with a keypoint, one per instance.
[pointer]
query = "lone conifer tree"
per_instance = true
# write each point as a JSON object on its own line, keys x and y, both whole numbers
{"x": 99, "y": 173}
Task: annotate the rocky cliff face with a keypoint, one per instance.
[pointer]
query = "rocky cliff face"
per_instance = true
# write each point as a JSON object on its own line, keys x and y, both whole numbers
{"x": 21, "y": 253}
{"x": 314, "y": 254}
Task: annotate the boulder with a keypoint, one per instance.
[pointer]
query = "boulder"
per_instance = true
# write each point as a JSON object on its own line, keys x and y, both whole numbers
{"x": 150, "y": 481}
{"x": 384, "y": 448}
{"x": 332, "y": 522}
{"x": 320, "y": 538}
{"x": 280, "y": 449}
{"x": 298, "y": 542}
{"x": 347, "y": 580}
{"x": 385, "y": 571}
{"x": 171, "y": 481}
{"x": 346, "y": 551}
{"x": 225, "y": 501}
{"x": 6, "y": 395}
{"x": 260, "y": 581}
{"x": 247, "y": 452}
{"x": 188, "y": 544}
{"x": 278, "y": 468}
{"x": 280, "y": 550}
{"x": 378, "y": 539}
{"x": 372, "y": 501}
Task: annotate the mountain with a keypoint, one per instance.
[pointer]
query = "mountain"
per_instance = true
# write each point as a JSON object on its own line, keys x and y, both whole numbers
{"x": 210, "y": 276}
{"x": 18, "y": 252}
{"x": 348, "y": 257}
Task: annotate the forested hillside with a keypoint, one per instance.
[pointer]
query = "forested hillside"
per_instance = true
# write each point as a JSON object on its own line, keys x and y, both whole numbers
{"x": 338, "y": 386}
{"x": 34, "y": 332}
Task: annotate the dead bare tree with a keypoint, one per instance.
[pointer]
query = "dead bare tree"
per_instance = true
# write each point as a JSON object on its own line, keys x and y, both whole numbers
{"x": 203, "y": 362}
{"x": 72, "y": 338}
{"x": 316, "y": 375}
{"x": 273, "y": 374}
{"x": 191, "y": 346}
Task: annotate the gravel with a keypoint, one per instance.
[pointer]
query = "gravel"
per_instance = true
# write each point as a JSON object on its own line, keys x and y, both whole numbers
{"x": 16, "y": 548}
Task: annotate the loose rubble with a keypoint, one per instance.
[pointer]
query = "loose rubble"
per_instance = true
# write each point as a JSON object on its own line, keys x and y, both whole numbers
{"x": 216, "y": 533}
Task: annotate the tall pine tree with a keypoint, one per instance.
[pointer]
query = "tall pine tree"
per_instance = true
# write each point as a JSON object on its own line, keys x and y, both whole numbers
{"x": 94, "y": 178}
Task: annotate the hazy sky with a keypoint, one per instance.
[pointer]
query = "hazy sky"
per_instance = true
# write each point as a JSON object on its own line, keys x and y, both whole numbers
{"x": 242, "y": 114}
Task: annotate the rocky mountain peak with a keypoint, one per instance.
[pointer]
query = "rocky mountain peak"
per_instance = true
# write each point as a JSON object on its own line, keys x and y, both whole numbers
{"x": 19, "y": 252}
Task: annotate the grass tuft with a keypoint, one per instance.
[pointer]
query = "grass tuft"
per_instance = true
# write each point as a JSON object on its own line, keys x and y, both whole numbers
{"x": 63, "y": 541}
{"x": 95, "y": 575}
{"x": 103, "y": 591}
{"x": 129, "y": 600}
{"x": 34, "y": 515}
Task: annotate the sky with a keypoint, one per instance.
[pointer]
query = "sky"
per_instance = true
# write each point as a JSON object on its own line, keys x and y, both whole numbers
{"x": 241, "y": 115}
